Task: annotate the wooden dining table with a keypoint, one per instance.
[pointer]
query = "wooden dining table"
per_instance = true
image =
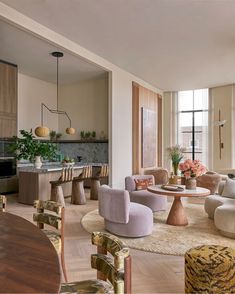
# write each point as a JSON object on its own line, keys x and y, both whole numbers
{"x": 28, "y": 261}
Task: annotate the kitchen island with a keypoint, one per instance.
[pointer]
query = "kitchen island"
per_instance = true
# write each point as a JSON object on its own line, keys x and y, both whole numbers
{"x": 35, "y": 183}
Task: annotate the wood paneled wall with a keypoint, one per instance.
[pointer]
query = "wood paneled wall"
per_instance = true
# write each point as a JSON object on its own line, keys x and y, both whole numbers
{"x": 8, "y": 100}
{"x": 143, "y": 97}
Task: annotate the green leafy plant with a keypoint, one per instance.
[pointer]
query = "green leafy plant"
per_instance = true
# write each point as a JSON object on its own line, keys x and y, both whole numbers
{"x": 27, "y": 147}
{"x": 58, "y": 136}
{"x": 87, "y": 135}
{"x": 52, "y": 135}
{"x": 93, "y": 135}
{"x": 82, "y": 134}
{"x": 176, "y": 154}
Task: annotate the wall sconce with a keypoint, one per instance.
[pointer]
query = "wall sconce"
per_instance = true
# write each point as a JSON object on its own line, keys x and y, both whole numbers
{"x": 220, "y": 123}
{"x": 43, "y": 131}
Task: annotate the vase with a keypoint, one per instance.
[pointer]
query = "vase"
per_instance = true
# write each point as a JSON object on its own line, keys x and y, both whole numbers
{"x": 175, "y": 166}
{"x": 37, "y": 162}
{"x": 191, "y": 184}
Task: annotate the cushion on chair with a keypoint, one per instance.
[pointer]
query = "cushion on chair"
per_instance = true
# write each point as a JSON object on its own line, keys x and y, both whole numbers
{"x": 87, "y": 286}
{"x": 55, "y": 239}
{"x": 130, "y": 184}
{"x": 229, "y": 189}
{"x": 143, "y": 184}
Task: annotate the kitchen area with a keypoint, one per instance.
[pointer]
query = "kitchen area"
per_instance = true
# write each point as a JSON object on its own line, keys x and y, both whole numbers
{"x": 79, "y": 88}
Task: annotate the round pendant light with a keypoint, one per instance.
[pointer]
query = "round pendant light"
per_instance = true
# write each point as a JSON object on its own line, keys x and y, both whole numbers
{"x": 43, "y": 131}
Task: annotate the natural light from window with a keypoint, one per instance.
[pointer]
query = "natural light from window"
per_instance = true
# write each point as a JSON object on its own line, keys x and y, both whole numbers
{"x": 193, "y": 123}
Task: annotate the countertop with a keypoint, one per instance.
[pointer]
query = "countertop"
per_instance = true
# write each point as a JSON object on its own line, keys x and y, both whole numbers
{"x": 52, "y": 166}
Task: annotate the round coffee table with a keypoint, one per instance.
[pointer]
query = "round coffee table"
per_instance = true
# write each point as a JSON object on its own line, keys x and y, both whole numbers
{"x": 177, "y": 215}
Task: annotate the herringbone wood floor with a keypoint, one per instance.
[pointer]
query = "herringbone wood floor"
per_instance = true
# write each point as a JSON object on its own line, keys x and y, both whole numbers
{"x": 151, "y": 272}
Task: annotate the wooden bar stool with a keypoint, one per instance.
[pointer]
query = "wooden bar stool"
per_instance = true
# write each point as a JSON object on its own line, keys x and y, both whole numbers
{"x": 95, "y": 181}
{"x": 78, "y": 192}
{"x": 3, "y": 203}
{"x": 57, "y": 194}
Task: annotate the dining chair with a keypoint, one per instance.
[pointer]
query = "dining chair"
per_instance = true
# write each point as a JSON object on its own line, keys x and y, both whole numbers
{"x": 116, "y": 268}
{"x": 78, "y": 192}
{"x": 54, "y": 219}
{"x": 95, "y": 181}
{"x": 3, "y": 202}
{"x": 57, "y": 194}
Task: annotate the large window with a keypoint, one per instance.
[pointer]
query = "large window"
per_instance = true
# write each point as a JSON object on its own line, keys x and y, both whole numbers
{"x": 193, "y": 123}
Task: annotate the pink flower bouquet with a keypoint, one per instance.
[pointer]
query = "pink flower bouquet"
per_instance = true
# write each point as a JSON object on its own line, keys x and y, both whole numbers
{"x": 192, "y": 168}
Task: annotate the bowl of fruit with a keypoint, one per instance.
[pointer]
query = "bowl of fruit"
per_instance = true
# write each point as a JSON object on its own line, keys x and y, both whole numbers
{"x": 68, "y": 161}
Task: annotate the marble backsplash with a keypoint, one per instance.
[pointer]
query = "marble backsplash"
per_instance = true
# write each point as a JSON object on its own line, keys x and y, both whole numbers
{"x": 90, "y": 152}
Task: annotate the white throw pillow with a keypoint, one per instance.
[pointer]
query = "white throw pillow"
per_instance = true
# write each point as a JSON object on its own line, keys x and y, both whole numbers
{"x": 229, "y": 189}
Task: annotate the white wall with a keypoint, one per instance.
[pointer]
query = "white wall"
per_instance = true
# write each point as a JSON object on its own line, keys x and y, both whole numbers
{"x": 222, "y": 99}
{"x": 31, "y": 93}
{"x": 120, "y": 100}
{"x": 87, "y": 105}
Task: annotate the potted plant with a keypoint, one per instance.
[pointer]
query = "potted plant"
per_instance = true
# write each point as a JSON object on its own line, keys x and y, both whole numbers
{"x": 82, "y": 134}
{"x": 26, "y": 147}
{"x": 52, "y": 135}
{"x": 93, "y": 135}
{"x": 176, "y": 154}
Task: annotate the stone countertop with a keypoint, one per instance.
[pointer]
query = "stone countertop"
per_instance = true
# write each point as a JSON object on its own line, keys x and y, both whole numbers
{"x": 50, "y": 167}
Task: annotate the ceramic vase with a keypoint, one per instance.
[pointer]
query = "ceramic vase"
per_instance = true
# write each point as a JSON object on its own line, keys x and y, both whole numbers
{"x": 37, "y": 162}
{"x": 191, "y": 184}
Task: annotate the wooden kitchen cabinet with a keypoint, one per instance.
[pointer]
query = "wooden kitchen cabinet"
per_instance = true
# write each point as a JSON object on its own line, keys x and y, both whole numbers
{"x": 8, "y": 99}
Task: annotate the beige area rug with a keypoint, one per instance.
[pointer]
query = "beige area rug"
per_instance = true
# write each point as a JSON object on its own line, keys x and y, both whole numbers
{"x": 167, "y": 239}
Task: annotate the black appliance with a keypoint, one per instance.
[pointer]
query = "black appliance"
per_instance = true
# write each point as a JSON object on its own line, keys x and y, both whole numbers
{"x": 7, "y": 167}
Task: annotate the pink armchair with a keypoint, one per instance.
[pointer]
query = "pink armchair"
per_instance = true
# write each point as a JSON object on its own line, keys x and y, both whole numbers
{"x": 153, "y": 201}
{"x": 122, "y": 217}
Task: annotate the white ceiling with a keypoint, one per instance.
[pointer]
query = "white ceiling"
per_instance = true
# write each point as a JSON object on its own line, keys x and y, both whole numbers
{"x": 172, "y": 44}
{"x": 33, "y": 57}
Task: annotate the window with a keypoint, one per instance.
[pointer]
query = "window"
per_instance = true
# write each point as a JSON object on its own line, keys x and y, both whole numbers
{"x": 193, "y": 123}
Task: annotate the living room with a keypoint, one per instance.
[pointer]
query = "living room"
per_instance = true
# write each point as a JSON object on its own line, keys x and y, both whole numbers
{"x": 193, "y": 58}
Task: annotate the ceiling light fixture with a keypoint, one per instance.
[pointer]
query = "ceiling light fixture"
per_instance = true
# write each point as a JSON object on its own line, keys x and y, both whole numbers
{"x": 43, "y": 131}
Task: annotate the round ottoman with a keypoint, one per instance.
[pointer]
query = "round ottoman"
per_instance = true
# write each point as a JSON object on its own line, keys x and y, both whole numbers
{"x": 210, "y": 269}
{"x": 224, "y": 218}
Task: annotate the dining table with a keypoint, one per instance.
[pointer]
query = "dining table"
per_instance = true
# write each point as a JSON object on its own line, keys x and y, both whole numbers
{"x": 28, "y": 261}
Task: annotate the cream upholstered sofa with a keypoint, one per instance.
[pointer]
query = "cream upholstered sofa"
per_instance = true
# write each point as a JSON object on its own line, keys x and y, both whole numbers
{"x": 221, "y": 208}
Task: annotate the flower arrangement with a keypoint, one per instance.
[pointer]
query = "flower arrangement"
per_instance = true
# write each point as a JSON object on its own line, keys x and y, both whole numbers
{"x": 176, "y": 154}
{"x": 192, "y": 168}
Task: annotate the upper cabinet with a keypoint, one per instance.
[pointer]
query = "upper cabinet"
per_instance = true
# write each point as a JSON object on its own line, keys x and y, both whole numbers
{"x": 8, "y": 99}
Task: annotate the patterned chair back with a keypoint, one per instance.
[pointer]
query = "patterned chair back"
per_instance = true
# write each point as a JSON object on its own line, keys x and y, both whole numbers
{"x": 67, "y": 174}
{"x": 86, "y": 172}
{"x": 55, "y": 220}
{"x": 3, "y": 202}
{"x": 117, "y": 271}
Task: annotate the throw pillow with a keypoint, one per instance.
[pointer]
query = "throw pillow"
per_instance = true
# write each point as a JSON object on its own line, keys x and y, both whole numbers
{"x": 143, "y": 184}
{"x": 229, "y": 189}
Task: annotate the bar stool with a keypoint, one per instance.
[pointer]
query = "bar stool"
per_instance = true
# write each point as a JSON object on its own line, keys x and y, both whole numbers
{"x": 95, "y": 181}
{"x": 78, "y": 192}
{"x": 3, "y": 202}
{"x": 57, "y": 194}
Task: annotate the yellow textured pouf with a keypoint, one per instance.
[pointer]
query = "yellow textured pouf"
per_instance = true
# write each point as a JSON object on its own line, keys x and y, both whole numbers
{"x": 210, "y": 269}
